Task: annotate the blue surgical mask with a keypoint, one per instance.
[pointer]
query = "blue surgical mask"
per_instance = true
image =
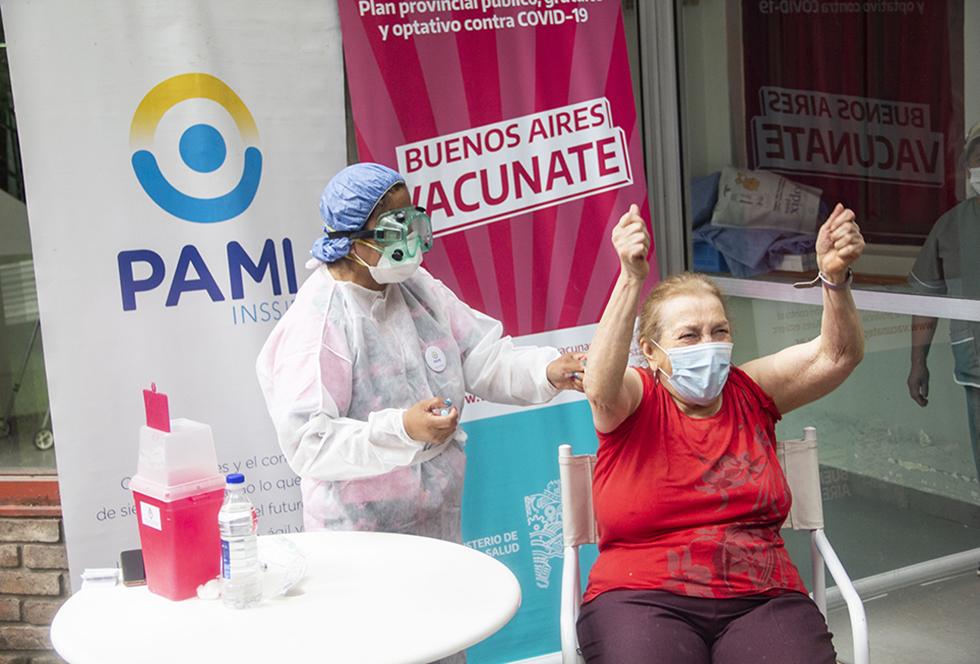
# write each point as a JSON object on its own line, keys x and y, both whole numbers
{"x": 698, "y": 372}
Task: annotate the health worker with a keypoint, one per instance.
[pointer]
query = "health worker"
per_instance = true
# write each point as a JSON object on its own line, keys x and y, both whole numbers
{"x": 365, "y": 374}
{"x": 948, "y": 265}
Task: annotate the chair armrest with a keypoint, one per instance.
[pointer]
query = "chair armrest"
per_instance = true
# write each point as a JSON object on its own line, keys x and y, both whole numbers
{"x": 855, "y": 608}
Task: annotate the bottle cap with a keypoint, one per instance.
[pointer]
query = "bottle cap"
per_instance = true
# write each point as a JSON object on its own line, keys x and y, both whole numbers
{"x": 235, "y": 478}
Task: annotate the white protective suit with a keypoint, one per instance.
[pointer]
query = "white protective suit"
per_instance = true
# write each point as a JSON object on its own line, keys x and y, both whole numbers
{"x": 337, "y": 373}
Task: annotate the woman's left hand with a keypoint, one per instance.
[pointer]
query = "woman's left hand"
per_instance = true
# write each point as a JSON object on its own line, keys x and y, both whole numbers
{"x": 839, "y": 244}
{"x": 567, "y": 371}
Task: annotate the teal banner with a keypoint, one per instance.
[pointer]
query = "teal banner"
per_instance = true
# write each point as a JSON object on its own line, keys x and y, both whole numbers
{"x": 512, "y": 511}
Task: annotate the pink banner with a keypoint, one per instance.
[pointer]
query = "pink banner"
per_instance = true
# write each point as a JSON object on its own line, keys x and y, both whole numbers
{"x": 515, "y": 126}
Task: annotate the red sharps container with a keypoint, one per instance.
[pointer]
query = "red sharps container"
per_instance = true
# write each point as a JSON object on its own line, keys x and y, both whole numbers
{"x": 178, "y": 492}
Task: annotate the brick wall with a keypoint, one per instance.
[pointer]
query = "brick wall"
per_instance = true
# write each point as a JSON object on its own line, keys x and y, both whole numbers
{"x": 33, "y": 572}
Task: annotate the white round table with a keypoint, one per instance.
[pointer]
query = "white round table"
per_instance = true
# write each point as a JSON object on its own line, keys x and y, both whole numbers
{"x": 367, "y": 597}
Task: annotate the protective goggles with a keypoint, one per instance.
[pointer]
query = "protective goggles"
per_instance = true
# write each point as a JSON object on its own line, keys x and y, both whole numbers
{"x": 409, "y": 226}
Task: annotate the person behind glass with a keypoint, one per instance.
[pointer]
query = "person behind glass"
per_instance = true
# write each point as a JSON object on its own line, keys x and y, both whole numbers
{"x": 688, "y": 493}
{"x": 365, "y": 374}
{"x": 948, "y": 264}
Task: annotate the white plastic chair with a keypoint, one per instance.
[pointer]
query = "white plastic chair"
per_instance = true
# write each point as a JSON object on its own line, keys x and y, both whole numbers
{"x": 799, "y": 461}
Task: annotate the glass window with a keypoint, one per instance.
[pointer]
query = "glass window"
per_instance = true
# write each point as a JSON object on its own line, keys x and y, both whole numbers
{"x": 787, "y": 108}
{"x": 899, "y": 482}
{"x": 910, "y": 470}
{"x": 26, "y": 440}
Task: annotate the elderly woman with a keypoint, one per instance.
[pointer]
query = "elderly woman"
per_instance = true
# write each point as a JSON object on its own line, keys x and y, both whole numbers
{"x": 364, "y": 375}
{"x": 688, "y": 492}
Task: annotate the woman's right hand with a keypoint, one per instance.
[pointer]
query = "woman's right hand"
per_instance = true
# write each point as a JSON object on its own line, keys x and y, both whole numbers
{"x": 424, "y": 424}
{"x": 632, "y": 243}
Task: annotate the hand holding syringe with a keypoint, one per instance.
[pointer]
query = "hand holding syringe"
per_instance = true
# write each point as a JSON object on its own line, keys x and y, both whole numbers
{"x": 431, "y": 420}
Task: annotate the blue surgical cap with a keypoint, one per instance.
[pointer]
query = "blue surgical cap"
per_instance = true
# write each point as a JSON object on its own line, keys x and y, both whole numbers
{"x": 346, "y": 203}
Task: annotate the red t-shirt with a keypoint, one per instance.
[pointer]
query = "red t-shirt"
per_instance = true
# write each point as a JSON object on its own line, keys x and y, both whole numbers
{"x": 693, "y": 506}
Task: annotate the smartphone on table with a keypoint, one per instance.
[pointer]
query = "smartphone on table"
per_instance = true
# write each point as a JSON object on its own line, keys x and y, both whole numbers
{"x": 131, "y": 563}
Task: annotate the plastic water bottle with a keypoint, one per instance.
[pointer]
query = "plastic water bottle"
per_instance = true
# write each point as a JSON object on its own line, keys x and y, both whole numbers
{"x": 237, "y": 520}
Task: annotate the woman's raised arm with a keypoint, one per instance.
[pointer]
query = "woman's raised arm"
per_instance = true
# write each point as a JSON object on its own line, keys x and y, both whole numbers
{"x": 613, "y": 391}
{"x": 805, "y": 372}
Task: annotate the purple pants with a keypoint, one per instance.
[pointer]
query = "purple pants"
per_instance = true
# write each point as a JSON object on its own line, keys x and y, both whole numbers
{"x": 639, "y": 626}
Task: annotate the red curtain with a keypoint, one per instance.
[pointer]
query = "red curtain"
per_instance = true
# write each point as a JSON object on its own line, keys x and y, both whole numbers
{"x": 861, "y": 99}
